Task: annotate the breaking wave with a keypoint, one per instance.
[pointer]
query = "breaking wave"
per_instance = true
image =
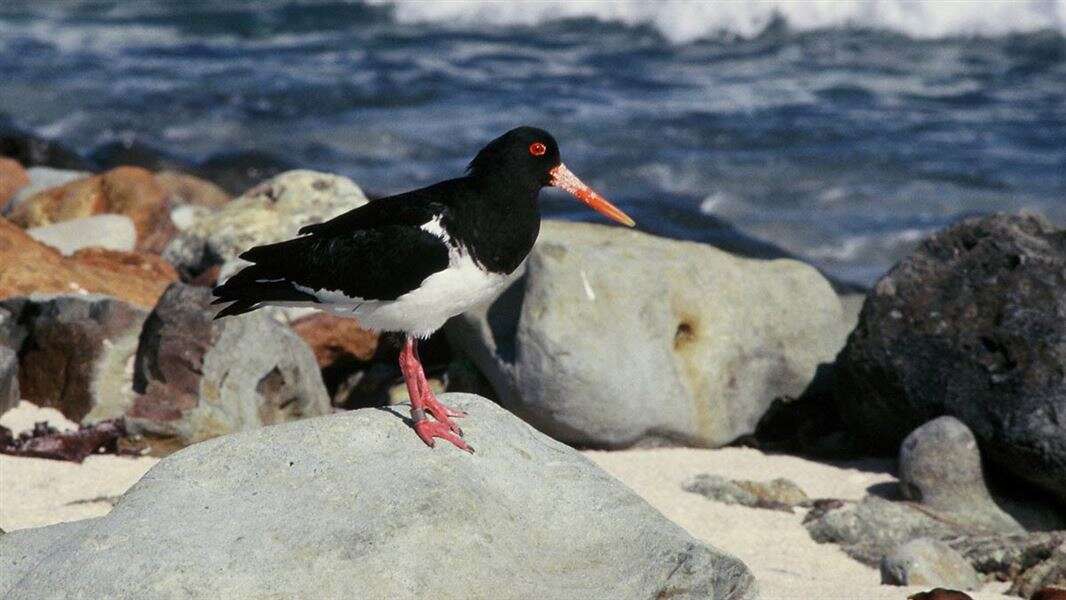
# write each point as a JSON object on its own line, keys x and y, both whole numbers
{"x": 685, "y": 20}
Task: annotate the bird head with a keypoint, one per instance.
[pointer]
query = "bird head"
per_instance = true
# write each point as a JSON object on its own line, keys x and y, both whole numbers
{"x": 529, "y": 154}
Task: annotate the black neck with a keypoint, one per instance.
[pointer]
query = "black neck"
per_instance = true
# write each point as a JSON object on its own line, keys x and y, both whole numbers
{"x": 498, "y": 221}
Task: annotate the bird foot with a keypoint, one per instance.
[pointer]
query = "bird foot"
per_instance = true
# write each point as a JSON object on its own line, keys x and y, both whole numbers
{"x": 441, "y": 411}
{"x": 427, "y": 430}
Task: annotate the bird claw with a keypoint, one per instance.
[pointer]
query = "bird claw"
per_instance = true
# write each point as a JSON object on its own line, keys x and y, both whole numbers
{"x": 427, "y": 430}
{"x": 440, "y": 411}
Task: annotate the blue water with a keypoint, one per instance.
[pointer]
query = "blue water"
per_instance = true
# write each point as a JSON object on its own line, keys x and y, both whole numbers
{"x": 843, "y": 138}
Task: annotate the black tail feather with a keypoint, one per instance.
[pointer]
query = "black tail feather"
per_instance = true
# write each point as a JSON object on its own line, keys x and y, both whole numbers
{"x": 253, "y": 287}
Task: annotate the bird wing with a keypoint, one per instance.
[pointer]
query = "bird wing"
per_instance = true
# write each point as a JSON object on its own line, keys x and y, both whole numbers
{"x": 378, "y": 251}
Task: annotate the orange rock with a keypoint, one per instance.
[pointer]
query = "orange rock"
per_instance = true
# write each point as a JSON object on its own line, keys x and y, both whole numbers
{"x": 28, "y": 266}
{"x": 12, "y": 179}
{"x": 189, "y": 189}
{"x": 129, "y": 191}
{"x": 332, "y": 337}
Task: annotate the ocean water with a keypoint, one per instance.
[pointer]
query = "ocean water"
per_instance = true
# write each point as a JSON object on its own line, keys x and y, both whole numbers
{"x": 843, "y": 132}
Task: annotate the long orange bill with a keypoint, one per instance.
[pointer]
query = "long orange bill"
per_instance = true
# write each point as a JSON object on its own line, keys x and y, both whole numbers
{"x": 563, "y": 178}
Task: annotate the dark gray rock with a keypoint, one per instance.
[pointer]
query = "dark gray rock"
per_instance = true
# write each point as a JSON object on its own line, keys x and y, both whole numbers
{"x": 972, "y": 325}
{"x": 33, "y": 151}
{"x": 1005, "y": 556}
{"x": 870, "y": 529}
{"x": 198, "y": 378}
{"x": 9, "y": 379}
{"x": 614, "y": 338}
{"x": 1049, "y": 573}
{"x": 940, "y": 467}
{"x": 923, "y": 562}
{"x": 74, "y": 352}
{"x": 355, "y": 506}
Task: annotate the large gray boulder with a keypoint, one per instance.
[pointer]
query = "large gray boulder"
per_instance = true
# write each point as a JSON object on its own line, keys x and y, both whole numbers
{"x": 197, "y": 378}
{"x": 972, "y": 325}
{"x": 355, "y": 506}
{"x": 272, "y": 211}
{"x": 615, "y": 337}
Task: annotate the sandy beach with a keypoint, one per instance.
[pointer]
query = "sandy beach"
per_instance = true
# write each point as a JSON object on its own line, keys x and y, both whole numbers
{"x": 774, "y": 544}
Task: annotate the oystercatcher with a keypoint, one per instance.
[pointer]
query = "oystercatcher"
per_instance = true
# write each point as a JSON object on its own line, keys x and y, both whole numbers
{"x": 408, "y": 263}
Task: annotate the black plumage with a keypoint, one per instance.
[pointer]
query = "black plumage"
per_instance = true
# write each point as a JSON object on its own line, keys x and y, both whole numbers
{"x": 381, "y": 250}
{"x": 412, "y": 261}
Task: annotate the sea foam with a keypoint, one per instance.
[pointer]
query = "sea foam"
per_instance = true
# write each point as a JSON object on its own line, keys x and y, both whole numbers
{"x": 686, "y": 20}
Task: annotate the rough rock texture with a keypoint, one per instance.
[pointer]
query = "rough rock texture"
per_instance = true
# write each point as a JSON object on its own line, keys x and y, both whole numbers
{"x": 923, "y": 561}
{"x": 1049, "y": 573}
{"x": 9, "y": 378}
{"x": 972, "y": 325}
{"x": 198, "y": 378}
{"x": 1004, "y": 556}
{"x": 28, "y": 266}
{"x": 354, "y": 506}
{"x": 74, "y": 351}
{"x": 615, "y": 337}
{"x": 940, "y": 467}
{"x": 129, "y": 191}
{"x": 334, "y": 338}
{"x": 12, "y": 179}
{"x": 42, "y": 178}
{"x": 113, "y": 232}
{"x": 269, "y": 212}
{"x": 778, "y": 494}
{"x": 869, "y": 529}
{"x": 183, "y": 188}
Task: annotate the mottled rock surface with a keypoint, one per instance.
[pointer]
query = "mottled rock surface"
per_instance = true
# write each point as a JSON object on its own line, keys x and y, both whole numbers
{"x": 923, "y": 561}
{"x": 972, "y": 325}
{"x": 778, "y": 494}
{"x": 199, "y": 378}
{"x": 28, "y": 266}
{"x": 354, "y": 505}
{"x": 272, "y": 211}
{"x": 129, "y": 191}
{"x": 1048, "y": 573}
{"x": 614, "y": 338}
{"x": 869, "y": 529}
{"x": 42, "y": 178}
{"x": 74, "y": 351}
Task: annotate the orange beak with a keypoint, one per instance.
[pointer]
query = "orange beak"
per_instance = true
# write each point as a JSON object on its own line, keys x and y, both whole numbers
{"x": 563, "y": 178}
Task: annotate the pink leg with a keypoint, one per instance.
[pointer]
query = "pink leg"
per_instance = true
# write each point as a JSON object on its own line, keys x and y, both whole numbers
{"x": 440, "y": 411}
{"x": 418, "y": 391}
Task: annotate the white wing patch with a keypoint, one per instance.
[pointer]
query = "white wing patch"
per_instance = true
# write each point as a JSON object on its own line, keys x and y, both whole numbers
{"x": 434, "y": 227}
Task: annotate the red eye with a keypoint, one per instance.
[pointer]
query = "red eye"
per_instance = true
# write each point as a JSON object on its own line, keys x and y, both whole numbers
{"x": 537, "y": 149}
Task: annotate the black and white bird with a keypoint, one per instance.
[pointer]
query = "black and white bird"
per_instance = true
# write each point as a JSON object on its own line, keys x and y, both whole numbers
{"x": 408, "y": 263}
